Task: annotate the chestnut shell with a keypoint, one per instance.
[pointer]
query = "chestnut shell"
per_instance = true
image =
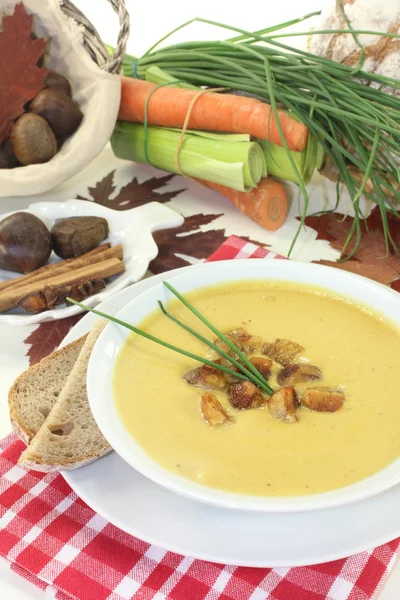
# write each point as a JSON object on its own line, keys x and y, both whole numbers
{"x": 58, "y": 82}
{"x": 25, "y": 243}
{"x": 7, "y": 157}
{"x": 61, "y": 112}
{"x": 32, "y": 140}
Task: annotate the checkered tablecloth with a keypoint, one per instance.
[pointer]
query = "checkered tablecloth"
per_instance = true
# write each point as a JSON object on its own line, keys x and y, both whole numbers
{"x": 52, "y": 538}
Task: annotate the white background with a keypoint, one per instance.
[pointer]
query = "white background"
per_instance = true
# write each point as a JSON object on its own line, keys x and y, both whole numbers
{"x": 150, "y": 20}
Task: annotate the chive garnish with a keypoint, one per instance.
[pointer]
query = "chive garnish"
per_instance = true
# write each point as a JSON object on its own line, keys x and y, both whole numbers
{"x": 220, "y": 335}
{"x": 259, "y": 380}
{"x": 247, "y": 370}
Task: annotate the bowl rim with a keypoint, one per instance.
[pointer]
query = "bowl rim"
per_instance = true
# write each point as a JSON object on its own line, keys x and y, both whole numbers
{"x": 106, "y": 349}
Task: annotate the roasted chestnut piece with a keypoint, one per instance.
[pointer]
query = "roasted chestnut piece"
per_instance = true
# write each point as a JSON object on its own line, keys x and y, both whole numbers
{"x": 32, "y": 140}
{"x": 323, "y": 399}
{"x": 213, "y": 411}
{"x": 245, "y": 395}
{"x": 205, "y": 377}
{"x": 25, "y": 243}
{"x": 61, "y": 112}
{"x": 299, "y": 373}
{"x": 283, "y": 404}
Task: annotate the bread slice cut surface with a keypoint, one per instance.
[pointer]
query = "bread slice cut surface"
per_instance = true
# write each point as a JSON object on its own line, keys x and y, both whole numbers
{"x": 69, "y": 438}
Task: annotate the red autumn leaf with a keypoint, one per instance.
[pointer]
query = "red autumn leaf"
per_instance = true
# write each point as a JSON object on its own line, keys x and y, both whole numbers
{"x": 395, "y": 285}
{"x": 47, "y": 337}
{"x": 188, "y": 240}
{"x": 371, "y": 259}
{"x": 20, "y": 77}
{"x": 173, "y": 244}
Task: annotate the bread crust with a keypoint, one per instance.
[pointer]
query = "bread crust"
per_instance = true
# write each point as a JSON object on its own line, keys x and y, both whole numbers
{"x": 24, "y": 433}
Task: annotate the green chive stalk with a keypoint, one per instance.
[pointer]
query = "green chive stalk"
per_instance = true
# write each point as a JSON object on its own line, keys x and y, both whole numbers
{"x": 220, "y": 335}
{"x": 216, "y": 348}
{"x": 247, "y": 371}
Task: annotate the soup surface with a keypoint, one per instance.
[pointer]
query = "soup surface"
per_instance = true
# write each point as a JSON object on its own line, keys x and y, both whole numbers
{"x": 257, "y": 454}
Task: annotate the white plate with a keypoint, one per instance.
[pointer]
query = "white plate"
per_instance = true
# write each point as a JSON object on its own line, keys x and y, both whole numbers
{"x": 144, "y": 509}
{"x": 381, "y": 300}
{"x": 131, "y": 228}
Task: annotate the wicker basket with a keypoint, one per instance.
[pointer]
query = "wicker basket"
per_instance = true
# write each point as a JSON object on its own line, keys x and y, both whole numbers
{"x": 78, "y": 52}
{"x": 92, "y": 40}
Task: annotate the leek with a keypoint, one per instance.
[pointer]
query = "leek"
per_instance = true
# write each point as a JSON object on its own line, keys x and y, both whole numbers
{"x": 306, "y": 162}
{"x": 237, "y": 163}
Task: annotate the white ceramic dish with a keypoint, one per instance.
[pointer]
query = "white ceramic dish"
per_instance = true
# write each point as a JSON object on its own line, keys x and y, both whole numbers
{"x": 131, "y": 228}
{"x": 146, "y": 510}
{"x": 102, "y": 362}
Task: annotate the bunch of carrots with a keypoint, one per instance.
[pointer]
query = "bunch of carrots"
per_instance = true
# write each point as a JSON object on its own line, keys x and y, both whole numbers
{"x": 174, "y": 107}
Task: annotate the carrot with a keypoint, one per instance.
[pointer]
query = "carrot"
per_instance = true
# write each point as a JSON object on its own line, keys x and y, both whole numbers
{"x": 168, "y": 107}
{"x": 266, "y": 204}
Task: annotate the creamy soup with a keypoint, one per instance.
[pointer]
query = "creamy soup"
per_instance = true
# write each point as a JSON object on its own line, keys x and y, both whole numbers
{"x": 357, "y": 351}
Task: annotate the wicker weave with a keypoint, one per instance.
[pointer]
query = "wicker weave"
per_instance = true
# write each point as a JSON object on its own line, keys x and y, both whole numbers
{"x": 92, "y": 40}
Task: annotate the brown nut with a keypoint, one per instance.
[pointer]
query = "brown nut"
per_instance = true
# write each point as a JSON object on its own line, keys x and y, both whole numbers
{"x": 7, "y": 157}
{"x": 32, "y": 140}
{"x": 74, "y": 236}
{"x": 61, "y": 112}
{"x": 245, "y": 395}
{"x": 58, "y": 82}
{"x": 25, "y": 243}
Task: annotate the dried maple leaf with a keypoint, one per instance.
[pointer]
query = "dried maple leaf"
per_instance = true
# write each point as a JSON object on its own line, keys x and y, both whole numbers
{"x": 173, "y": 244}
{"x": 188, "y": 240}
{"x": 102, "y": 191}
{"x": 20, "y": 77}
{"x": 371, "y": 259}
{"x": 47, "y": 337}
{"x": 132, "y": 194}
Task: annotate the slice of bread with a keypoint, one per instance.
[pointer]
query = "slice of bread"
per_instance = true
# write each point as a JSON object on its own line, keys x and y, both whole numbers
{"x": 69, "y": 438}
{"x": 35, "y": 392}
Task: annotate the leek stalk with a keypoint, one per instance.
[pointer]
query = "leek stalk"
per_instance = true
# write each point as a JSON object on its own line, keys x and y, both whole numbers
{"x": 234, "y": 161}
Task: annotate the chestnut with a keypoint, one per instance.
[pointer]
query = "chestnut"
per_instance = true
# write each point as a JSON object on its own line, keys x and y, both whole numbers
{"x": 32, "y": 140}
{"x": 58, "y": 82}
{"x": 61, "y": 112}
{"x": 7, "y": 157}
{"x": 25, "y": 243}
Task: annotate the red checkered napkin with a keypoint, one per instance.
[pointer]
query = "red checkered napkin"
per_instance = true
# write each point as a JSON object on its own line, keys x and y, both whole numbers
{"x": 53, "y": 539}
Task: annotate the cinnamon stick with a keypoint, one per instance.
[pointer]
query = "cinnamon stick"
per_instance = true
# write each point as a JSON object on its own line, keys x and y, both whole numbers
{"x": 48, "y": 271}
{"x": 100, "y": 270}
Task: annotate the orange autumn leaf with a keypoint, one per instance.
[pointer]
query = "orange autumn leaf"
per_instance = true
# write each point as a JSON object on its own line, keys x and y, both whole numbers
{"x": 371, "y": 259}
{"x": 20, "y": 77}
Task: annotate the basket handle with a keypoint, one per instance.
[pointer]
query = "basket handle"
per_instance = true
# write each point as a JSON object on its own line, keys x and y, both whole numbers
{"x": 92, "y": 40}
